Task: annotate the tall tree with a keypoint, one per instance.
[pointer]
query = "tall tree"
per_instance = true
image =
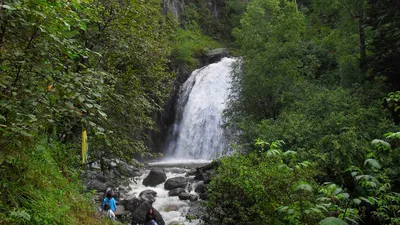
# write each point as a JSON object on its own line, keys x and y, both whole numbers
{"x": 385, "y": 21}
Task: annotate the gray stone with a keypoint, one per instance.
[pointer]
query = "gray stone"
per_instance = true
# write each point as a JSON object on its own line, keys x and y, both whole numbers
{"x": 155, "y": 177}
{"x": 193, "y": 198}
{"x": 139, "y": 216}
{"x": 184, "y": 196}
{"x": 148, "y": 195}
{"x": 120, "y": 211}
{"x": 201, "y": 188}
{"x": 176, "y": 191}
{"x": 196, "y": 211}
{"x": 215, "y": 55}
{"x": 131, "y": 204}
{"x": 176, "y": 182}
{"x": 175, "y": 7}
{"x": 203, "y": 196}
{"x": 96, "y": 185}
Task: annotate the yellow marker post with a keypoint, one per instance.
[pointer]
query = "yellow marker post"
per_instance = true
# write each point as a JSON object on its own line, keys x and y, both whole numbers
{"x": 84, "y": 147}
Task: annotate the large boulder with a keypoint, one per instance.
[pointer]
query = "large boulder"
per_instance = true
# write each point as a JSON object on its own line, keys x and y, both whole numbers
{"x": 120, "y": 211}
{"x": 214, "y": 55}
{"x": 148, "y": 195}
{"x": 139, "y": 216}
{"x": 184, "y": 196}
{"x": 176, "y": 191}
{"x": 96, "y": 185}
{"x": 200, "y": 188}
{"x": 131, "y": 204}
{"x": 155, "y": 177}
{"x": 194, "y": 198}
{"x": 176, "y": 182}
{"x": 203, "y": 196}
{"x": 196, "y": 211}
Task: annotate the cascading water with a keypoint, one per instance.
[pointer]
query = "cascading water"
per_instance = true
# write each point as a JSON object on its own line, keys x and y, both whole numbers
{"x": 197, "y": 137}
{"x": 197, "y": 132}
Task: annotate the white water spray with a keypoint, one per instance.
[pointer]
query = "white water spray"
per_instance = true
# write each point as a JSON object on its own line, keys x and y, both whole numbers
{"x": 197, "y": 132}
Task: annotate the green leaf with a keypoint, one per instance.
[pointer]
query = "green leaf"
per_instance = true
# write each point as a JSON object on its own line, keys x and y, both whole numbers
{"x": 8, "y": 7}
{"x": 380, "y": 145}
{"x": 2, "y": 118}
{"x": 337, "y": 191}
{"x": 303, "y": 186}
{"x": 357, "y": 201}
{"x": 345, "y": 195}
{"x": 282, "y": 208}
{"x": 373, "y": 163}
{"x": 332, "y": 221}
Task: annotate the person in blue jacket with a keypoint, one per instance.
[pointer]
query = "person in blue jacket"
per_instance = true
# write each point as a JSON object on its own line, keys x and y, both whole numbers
{"x": 110, "y": 201}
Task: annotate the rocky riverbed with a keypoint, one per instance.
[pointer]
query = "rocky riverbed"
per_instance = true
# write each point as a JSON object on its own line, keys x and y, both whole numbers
{"x": 175, "y": 190}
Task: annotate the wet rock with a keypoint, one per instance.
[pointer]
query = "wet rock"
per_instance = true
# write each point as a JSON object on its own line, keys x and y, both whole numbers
{"x": 203, "y": 196}
{"x": 108, "y": 173}
{"x": 155, "y": 177}
{"x": 148, "y": 192}
{"x": 96, "y": 185}
{"x": 200, "y": 188}
{"x": 192, "y": 172}
{"x": 121, "y": 212}
{"x": 184, "y": 196}
{"x": 207, "y": 177}
{"x": 196, "y": 211}
{"x": 214, "y": 55}
{"x": 176, "y": 182}
{"x": 176, "y": 191}
{"x": 131, "y": 204}
{"x": 193, "y": 198}
{"x": 139, "y": 216}
{"x": 148, "y": 195}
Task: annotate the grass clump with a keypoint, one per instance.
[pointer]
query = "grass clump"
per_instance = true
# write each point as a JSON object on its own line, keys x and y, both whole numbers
{"x": 41, "y": 185}
{"x": 189, "y": 44}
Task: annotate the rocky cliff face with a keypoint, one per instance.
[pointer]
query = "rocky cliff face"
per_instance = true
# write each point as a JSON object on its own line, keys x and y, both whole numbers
{"x": 177, "y": 7}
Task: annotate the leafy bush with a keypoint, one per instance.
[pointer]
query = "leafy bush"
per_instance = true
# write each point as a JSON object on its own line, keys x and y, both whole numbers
{"x": 248, "y": 189}
{"x": 41, "y": 185}
{"x": 271, "y": 186}
{"x": 189, "y": 43}
{"x": 330, "y": 127}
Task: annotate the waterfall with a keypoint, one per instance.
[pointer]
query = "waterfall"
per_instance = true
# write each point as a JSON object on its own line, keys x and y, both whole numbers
{"x": 197, "y": 132}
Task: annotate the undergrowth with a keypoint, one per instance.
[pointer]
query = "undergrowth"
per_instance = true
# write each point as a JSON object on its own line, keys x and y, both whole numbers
{"x": 41, "y": 185}
{"x": 190, "y": 43}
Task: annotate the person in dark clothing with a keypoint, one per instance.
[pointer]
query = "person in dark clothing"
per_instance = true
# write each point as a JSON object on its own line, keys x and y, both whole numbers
{"x": 150, "y": 217}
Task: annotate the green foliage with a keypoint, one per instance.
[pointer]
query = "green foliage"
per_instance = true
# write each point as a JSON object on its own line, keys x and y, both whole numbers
{"x": 304, "y": 79}
{"x": 375, "y": 187}
{"x": 385, "y": 21}
{"x": 189, "y": 44}
{"x": 332, "y": 221}
{"x": 325, "y": 126}
{"x": 270, "y": 43}
{"x": 392, "y": 102}
{"x": 67, "y": 66}
{"x": 248, "y": 189}
{"x": 213, "y": 18}
{"x": 274, "y": 186}
{"x": 41, "y": 185}
{"x": 73, "y": 65}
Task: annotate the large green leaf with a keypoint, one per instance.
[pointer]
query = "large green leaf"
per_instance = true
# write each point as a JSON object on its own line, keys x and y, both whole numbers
{"x": 373, "y": 163}
{"x": 380, "y": 144}
{"x": 302, "y": 186}
{"x": 332, "y": 221}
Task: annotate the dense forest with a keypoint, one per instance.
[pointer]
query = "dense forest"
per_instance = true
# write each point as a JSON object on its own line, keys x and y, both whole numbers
{"x": 313, "y": 115}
